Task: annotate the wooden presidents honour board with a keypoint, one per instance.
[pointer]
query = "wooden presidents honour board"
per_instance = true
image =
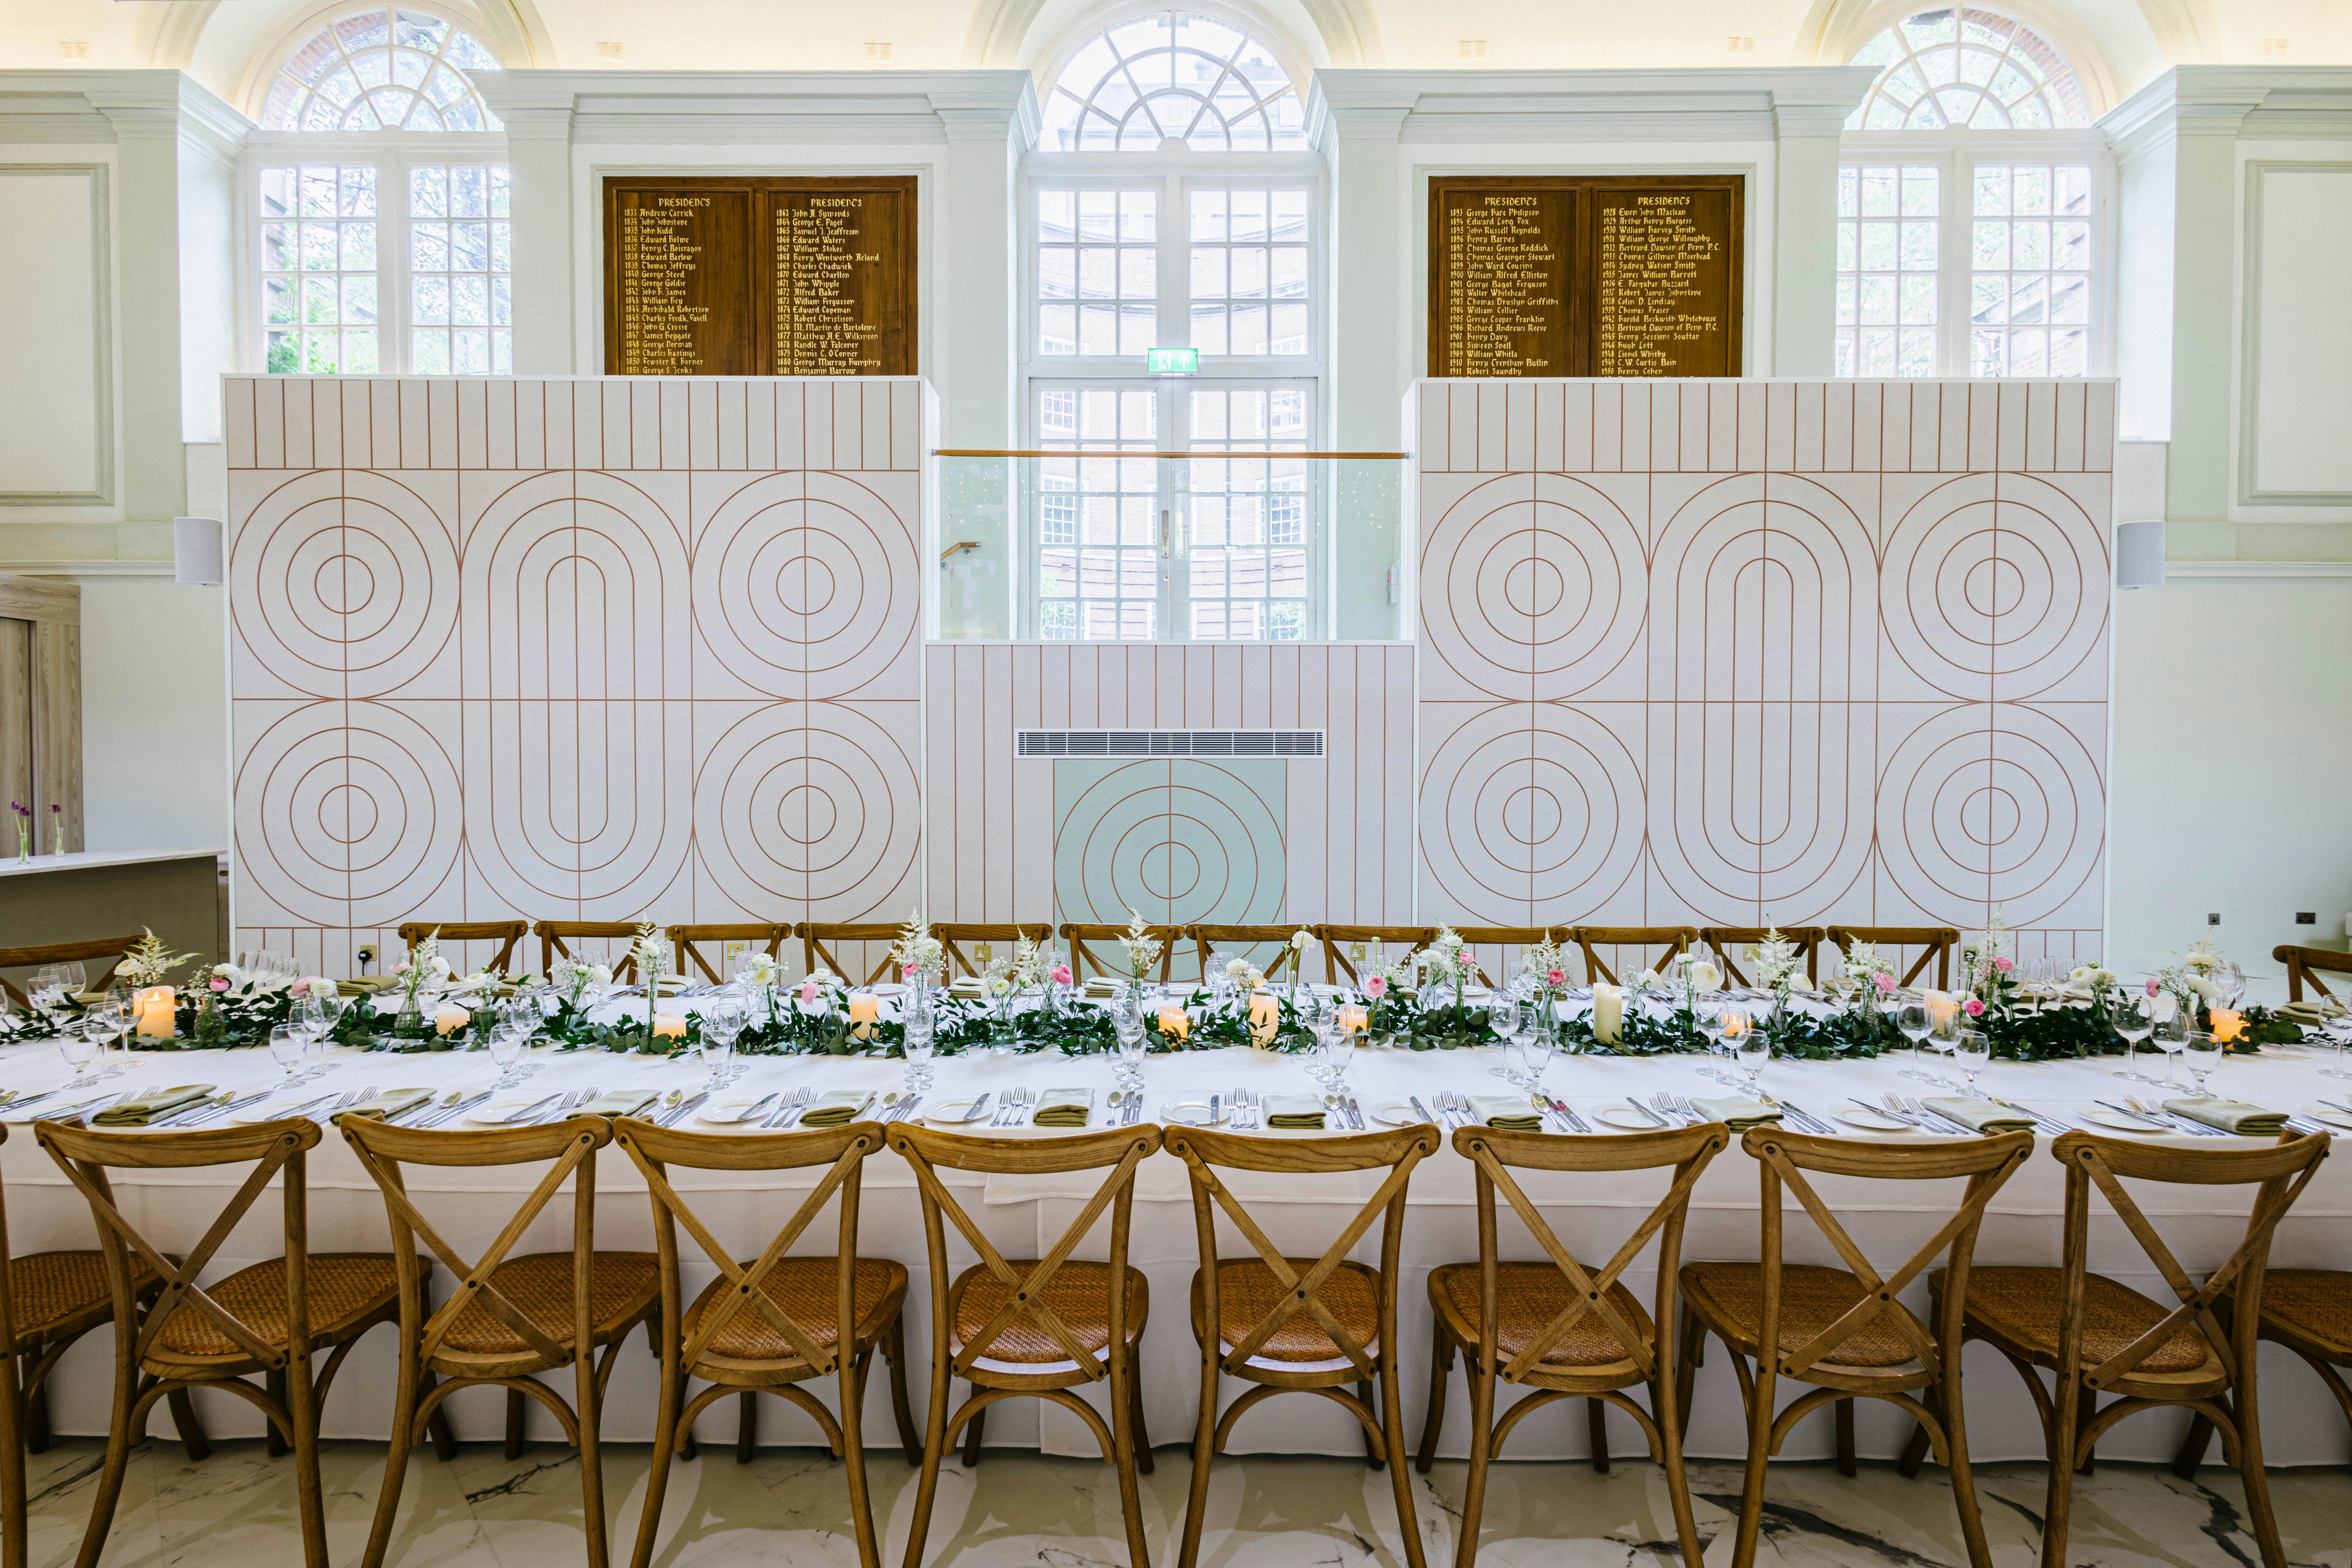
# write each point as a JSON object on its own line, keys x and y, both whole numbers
{"x": 760, "y": 276}
{"x": 1585, "y": 275}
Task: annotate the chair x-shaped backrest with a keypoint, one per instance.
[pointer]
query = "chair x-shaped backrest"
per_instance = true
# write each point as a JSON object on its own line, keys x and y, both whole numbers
{"x": 571, "y": 1145}
{"x": 1301, "y": 1293}
{"x": 2304, "y": 965}
{"x": 1678, "y": 941}
{"x": 2282, "y": 1180}
{"x": 1727, "y": 943}
{"x": 750, "y": 1283}
{"x": 1588, "y": 1293}
{"x": 1935, "y": 944}
{"x": 1094, "y": 947}
{"x": 1024, "y": 1296}
{"x": 691, "y": 940}
{"x": 551, "y": 935}
{"x": 84, "y": 1157}
{"x": 1987, "y": 1162}
{"x": 951, "y": 939}
{"x": 1280, "y": 961}
{"x": 816, "y": 954}
{"x": 1335, "y": 940}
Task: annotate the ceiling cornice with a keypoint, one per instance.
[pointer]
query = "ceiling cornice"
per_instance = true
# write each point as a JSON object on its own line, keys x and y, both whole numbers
{"x": 763, "y": 107}
{"x": 1743, "y": 104}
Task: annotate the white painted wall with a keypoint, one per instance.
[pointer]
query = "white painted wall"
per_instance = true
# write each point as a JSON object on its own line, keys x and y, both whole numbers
{"x": 2229, "y": 761}
{"x": 2298, "y": 359}
{"x": 154, "y": 714}
{"x": 53, "y": 318}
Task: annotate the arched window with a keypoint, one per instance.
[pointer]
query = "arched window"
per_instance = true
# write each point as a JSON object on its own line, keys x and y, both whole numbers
{"x": 1962, "y": 66}
{"x": 386, "y": 69}
{"x": 1174, "y": 75}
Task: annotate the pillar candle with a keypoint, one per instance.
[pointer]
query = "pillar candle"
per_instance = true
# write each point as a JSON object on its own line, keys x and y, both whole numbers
{"x": 1355, "y": 1019}
{"x": 448, "y": 1020}
{"x": 1608, "y": 1013}
{"x": 864, "y": 1009}
{"x": 2228, "y": 1026}
{"x": 1265, "y": 1018}
{"x": 668, "y": 1026}
{"x": 1942, "y": 1008}
{"x": 153, "y": 1011}
{"x": 1175, "y": 1023}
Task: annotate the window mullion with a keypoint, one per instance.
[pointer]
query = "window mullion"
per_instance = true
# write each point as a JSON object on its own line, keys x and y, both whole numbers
{"x": 1174, "y": 256}
{"x": 1956, "y": 253}
{"x": 392, "y": 263}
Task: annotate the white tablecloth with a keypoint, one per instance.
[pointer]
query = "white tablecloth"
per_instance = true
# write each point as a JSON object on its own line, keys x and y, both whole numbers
{"x": 1023, "y": 1215}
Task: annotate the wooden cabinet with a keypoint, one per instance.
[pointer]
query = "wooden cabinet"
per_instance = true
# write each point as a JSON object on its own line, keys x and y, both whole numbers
{"x": 40, "y": 708}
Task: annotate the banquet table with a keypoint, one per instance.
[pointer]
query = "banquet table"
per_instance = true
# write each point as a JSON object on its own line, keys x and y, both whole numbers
{"x": 1023, "y": 1215}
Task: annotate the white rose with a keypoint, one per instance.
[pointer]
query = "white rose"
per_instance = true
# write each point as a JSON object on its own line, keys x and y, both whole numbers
{"x": 1704, "y": 975}
{"x": 601, "y": 973}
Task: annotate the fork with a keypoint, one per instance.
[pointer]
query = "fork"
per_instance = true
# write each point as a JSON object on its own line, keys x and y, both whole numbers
{"x": 2189, "y": 1125}
{"x": 794, "y": 1104}
{"x": 1929, "y": 1118}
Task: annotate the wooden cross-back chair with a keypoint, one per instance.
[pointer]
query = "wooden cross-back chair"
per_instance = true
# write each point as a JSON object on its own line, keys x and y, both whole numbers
{"x": 690, "y": 940}
{"x": 506, "y": 1318}
{"x": 1728, "y": 943}
{"x": 953, "y": 938}
{"x": 1558, "y": 1327}
{"x": 111, "y": 947}
{"x": 822, "y": 942}
{"x": 776, "y": 1322}
{"x": 1935, "y": 945}
{"x": 1035, "y": 1329}
{"x": 1300, "y": 1324}
{"x": 1504, "y": 937}
{"x": 555, "y": 934}
{"x": 509, "y": 934}
{"x": 1094, "y": 946}
{"x": 2304, "y": 965}
{"x": 47, "y": 1301}
{"x": 268, "y": 1318}
{"x": 1285, "y": 961}
{"x": 1842, "y": 1331}
{"x": 1672, "y": 942}
{"x": 1335, "y": 940}
{"x": 2101, "y": 1336}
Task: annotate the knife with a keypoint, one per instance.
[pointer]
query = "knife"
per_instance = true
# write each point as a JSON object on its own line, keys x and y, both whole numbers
{"x": 980, "y": 1106}
{"x": 1818, "y": 1125}
{"x": 1356, "y": 1112}
{"x": 691, "y": 1103}
{"x": 758, "y": 1108}
{"x": 1419, "y": 1110}
{"x": 901, "y": 1111}
{"x": 225, "y": 1108}
{"x": 458, "y": 1110}
{"x": 1656, "y": 1120}
{"x": 527, "y": 1112}
{"x": 1560, "y": 1108}
{"x": 1213, "y": 1110}
{"x": 205, "y": 1107}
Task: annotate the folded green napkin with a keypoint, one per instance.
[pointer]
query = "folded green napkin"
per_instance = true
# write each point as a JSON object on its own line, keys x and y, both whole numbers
{"x": 1101, "y": 988}
{"x": 1293, "y": 1110}
{"x": 388, "y": 1104}
{"x": 837, "y": 1106}
{"x": 2230, "y": 1116}
{"x": 2313, "y": 1010}
{"x": 366, "y": 985}
{"x": 619, "y": 1102}
{"x": 151, "y": 1106}
{"x": 1509, "y": 1112}
{"x": 1739, "y": 1115}
{"x": 1980, "y": 1115}
{"x": 1064, "y": 1107}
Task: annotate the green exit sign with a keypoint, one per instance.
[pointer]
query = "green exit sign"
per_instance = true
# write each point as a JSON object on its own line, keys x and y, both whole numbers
{"x": 1171, "y": 362}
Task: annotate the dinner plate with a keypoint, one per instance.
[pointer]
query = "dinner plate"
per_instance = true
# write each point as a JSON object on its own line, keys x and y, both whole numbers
{"x": 272, "y": 1110}
{"x": 1190, "y": 1112}
{"x": 2333, "y": 1118}
{"x": 950, "y": 1113}
{"x": 2120, "y": 1122}
{"x": 888, "y": 988}
{"x": 1393, "y": 1113}
{"x": 1627, "y": 1118}
{"x": 730, "y": 1112}
{"x": 498, "y": 1107}
{"x": 1876, "y": 1121}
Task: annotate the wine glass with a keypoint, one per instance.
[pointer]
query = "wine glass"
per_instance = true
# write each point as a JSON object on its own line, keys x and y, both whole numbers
{"x": 1126, "y": 1025}
{"x": 720, "y": 1025}
{"x": 287, "y": 1045}
{"x": 2171, "y": 1032}
{"x": 1538, "y": 1045}
{"x": 504, "y": 1045}
{"x": 1508, "y": 1019}
{"x": 1972, "y": 1049}
{"x": 2132, "y": 1023}
{"x": 48, "y": 992}
{"x": 2202, "y": 1053}
{"x": 109, "y": 1019}
{"x": 1338, "y": 1056}
{"x": 2230, "y": 981}
{"x": 1911, "y": 1021}
{"x": 77, "y": 1046}
{"x": 2339, "y": 1030}
{"x": 1751, "y": 1049}
{"x": 921, "y": 1041}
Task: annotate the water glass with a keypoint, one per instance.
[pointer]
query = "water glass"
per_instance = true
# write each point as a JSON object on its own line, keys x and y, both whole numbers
{"x": 720, "y": 1025}
{"x": 918, "y": 1045}
{"x": 2132, "y": 1023}
{"x": 1972, "y": 1049}
{"x": 1536, "y": 1047}
{"x": 288, "y": 1046}
{"x": 2202, "y": 1053}
{"x": 108, "y": 1020}
{"x": 2339, "y": 1030}
{"x": 1128, "y": 1025}
{"x": 506, "y": 1046}
{"x": 77, "y": 1048}
{"x": 1751, "y": 1049}
{"x": 1338, "y": 1056}
{"x": 2171, "y": 1034}
{"x": 1912, "y": 1023}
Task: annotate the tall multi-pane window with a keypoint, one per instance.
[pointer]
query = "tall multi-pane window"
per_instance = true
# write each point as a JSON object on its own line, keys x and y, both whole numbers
{"x": 1971, "y": 206}
{"x": 382, "y": 241}
{"x": 1202, "y": 231}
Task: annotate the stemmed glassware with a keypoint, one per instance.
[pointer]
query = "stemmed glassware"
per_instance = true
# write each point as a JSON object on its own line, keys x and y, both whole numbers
{"x": 1752, "y": 1049}
{"x": 1972, "y": 1049}
{"x": 2339, "y": 1030}
{"x": 77, "y": 1046}
{"x": 2202, "y": 1053}
{"x": 918, "y": 1042}
{"x": 108, "y": 1020}
{"x": 2132, "y": 1023}
{"x": 722, "y": 1021}
{"x": 2172, "y": 1037}
{"x": 1912, "y": 1023}
{"x": 289, "y": 1043}
{"x": 506, "y": 1046}
{"x": 1126, "y": 1025}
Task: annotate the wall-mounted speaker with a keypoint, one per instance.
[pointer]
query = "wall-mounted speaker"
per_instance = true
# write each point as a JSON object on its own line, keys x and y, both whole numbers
{"x": 2139, "y": 554}
{"x": 197, "y": 555}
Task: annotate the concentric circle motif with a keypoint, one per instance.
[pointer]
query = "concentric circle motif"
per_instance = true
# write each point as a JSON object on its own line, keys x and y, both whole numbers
{"x": 1756, "y": 587}
{"x": 1185, "y": 841}
{"x": 804, "y": 585}
{"x": 1994, "y": 586}
{"x": 1533, "y": 583}
{"x": 345, "y": 584}
{"x": 1758, "y": 806}
{"x": 812, "y": 801}
{"x": 1991, "y": 804}
{"x": 347, "y": 814}
{"x": 1531, "y": 805}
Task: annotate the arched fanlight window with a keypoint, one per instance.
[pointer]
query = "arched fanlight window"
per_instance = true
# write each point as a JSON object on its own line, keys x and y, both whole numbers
{"x": 1960, "y": 65}
{"x": 1174, "y": 74}
{"x": 388, "y": 69}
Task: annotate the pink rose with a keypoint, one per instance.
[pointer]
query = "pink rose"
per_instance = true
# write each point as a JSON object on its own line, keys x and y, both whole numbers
{"x": 2152, "y": 987}
{"x": 1555, "y": 976}
{"x": 401, "y": 968}
{"x": 1885, "y": 982}
{"x": 1061, "y": 976}
{"x": 300, "y": 988}
{"x": 2002, "y": 965}
{"x": 808, "y": 993}
{"x": 1973, "y": 1007}
{"x": 907, "y": 971}
{"x": 1376, "y": 987}
{"x": 218, "y": 982}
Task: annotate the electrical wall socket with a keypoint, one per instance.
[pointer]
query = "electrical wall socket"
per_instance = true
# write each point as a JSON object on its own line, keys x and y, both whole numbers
{"x": 1357, "y": 949}
{"x": 2306, "y": 918}
{"x": 731, "y": 953}
{"x": 983, "y": 951}
{"x": 2213, "y": 920}
{"x": 366, "y": 956}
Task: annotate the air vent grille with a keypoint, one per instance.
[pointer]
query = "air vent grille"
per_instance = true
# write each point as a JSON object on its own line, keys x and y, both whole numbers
{"x": 1170, "y": 743}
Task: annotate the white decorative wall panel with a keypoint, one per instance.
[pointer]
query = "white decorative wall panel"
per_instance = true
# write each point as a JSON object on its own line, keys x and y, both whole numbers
{"x": 575, "y": 650}
{"x": 1730, "y": 652}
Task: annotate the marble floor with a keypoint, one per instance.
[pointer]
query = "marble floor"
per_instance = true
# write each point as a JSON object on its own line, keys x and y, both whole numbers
{"x": 482, "y": 1510}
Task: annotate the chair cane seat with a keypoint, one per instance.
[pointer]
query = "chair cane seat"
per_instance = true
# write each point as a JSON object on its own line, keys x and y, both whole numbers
{"x": 804, "y": 1289}
{"x": 1528, "y": 1296}
{"x": 59, "y": 1294}
{"x": 2021, "y": 1306}
{"x": 1730, "y": 1297}
{"x": 2315, "y": 1303}
{"x": 347, "y": 1289}
{"x": 1078, "y": 1294}
{"x": 626, "y": 1287}
{"x": 1247, "y": 1293}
